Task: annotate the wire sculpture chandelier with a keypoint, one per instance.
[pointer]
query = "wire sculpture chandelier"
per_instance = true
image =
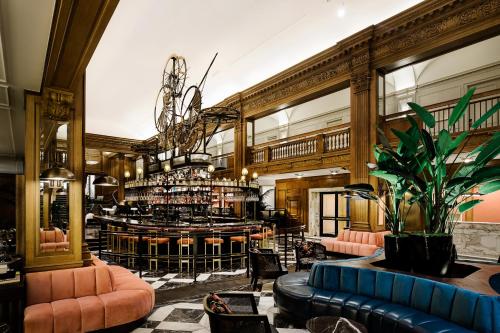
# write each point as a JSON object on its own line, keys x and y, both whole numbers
{"x": 183, "y": 126}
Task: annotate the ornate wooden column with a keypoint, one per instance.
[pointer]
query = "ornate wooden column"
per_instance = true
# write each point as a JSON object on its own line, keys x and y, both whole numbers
{"x": 363, "y": 134}
{"x": 240, "y": 144}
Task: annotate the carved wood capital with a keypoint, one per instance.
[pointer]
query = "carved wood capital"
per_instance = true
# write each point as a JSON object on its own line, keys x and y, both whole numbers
{"x": 57, "y": 104}
{"x": 360, "y": 81}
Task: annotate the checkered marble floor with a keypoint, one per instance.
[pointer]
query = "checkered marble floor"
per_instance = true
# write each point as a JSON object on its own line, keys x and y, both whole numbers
{"x": 160, "y": 280}
{"x": 189, "y": 316}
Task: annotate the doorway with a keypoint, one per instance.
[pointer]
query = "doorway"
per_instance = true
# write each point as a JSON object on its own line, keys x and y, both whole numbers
{"x": 334, "y": 213}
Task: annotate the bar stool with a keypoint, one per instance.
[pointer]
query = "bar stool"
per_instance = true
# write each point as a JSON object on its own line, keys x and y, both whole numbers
{"x": 261, "y": 238}
{"x": 121, "y": 238}
{"x": 133, "y": 242}
{"x": 153, "y": 243}
{"x": 184, "y": 242}
{"x": 216, "y": 242}
{"x": 242, "y": 240}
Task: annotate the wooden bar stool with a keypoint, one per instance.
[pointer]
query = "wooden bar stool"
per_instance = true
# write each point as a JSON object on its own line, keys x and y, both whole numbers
{"x": 153, "y": 243}
{"x": 261, "y": 238}
{"x": 184, "y": 242}
{"x": 242, "y": 240}
{"x": 216, "y": 241}
{"x": 132, "y": 249}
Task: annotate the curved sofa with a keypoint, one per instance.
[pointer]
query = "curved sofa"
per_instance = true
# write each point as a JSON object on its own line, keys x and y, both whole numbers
{"x": 385, "y": 301}
{"x": 53, "y": 240}
{"x": 358, "y": 243}
{"x": 85, "y": 299}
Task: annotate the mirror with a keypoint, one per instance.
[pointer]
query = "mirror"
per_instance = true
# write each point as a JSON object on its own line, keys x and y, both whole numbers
{"x": 55, "y": 183}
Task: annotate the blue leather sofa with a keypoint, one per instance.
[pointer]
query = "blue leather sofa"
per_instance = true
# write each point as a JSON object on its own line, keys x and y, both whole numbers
{"x": 385, "y": 301}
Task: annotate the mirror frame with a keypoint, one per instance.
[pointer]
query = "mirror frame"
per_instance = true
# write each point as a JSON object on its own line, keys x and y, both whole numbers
{"x": 52, "y": 100}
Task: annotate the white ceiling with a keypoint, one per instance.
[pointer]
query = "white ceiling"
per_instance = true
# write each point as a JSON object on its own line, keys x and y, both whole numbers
{"x": 24, "y": 34}
{"x": 255, "y": 40}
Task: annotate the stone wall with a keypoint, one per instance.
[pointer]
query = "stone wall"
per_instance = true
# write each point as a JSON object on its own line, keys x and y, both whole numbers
{"x": 480, "y": 240}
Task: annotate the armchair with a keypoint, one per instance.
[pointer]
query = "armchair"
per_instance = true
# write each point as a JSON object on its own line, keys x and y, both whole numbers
{"x": 307, "y": 253}
{"x": 265, "y": 265}
{"x": 243, "y": 316}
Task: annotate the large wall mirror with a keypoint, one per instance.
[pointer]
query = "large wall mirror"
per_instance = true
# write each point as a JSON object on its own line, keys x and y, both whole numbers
{"x": 55, "y": 183}
{"x": 53, "y": 177}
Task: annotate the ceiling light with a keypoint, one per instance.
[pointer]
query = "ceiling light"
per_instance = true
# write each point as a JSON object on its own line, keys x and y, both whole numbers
{"x": 90, "y": 162}
{"x": 106, "y": 153}
{"x": 371, "y": 165}
{"x": 334, "y": 172}
{"x": 299, "y": 175}
{"x": 341, "y": 11}
{"x": 468, "y": 160}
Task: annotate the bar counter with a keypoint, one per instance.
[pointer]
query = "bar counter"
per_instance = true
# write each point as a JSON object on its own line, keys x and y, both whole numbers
{"x": 177, "y": 226}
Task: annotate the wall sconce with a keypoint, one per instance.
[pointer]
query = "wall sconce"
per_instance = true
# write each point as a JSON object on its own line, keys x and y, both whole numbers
{"x": 167, "y": 168}
{"x": 244, "y": 171}
{"x": 139, "y": 172}
{"x": 127, "y": 174}
{"x": 255, "y": 175}
{"x": 211, "y": 168}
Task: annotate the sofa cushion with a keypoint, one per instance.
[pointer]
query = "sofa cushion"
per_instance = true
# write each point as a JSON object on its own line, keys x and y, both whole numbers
{"x": 92, "y": 313}
{"x": 124, "y": 306}
{"x": 422, "y": 294}
{"x": 67, "y": 316}
{"x": 320, "y": 302}
{"x": 349, "y": 280}
{"x": 440, "y": 326}
{"x": 85, "y": 281}
{"x": 63, "y": 285}
{"x": 487, "y": 314}
{"x": 366, "y": 282}
{"x": 383, "y": 285}
{"x": 39, "y": 318}
{"x": 402, "y": 289}
{"x": 442, "y": 298}
{"x": 463, "y": 308}
{"x": 34, "y": 293}
{"x": 366, "y": 250}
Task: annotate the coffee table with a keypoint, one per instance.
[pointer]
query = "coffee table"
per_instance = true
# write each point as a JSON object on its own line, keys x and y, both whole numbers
{"x": 326, "y": 324}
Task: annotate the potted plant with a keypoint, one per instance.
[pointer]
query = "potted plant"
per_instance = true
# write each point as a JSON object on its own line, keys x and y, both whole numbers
{"x": 440, "y": 190}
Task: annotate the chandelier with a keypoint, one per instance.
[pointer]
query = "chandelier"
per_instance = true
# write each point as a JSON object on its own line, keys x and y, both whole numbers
{"x": 183, "y": 126}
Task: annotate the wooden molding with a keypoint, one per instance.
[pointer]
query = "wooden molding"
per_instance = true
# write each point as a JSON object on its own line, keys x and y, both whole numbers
{"x": 111, "y": 143}
{"x": 77, "y": 27}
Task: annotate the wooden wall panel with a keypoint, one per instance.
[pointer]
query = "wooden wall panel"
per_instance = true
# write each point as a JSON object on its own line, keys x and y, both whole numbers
{"x": 293, "y": 194}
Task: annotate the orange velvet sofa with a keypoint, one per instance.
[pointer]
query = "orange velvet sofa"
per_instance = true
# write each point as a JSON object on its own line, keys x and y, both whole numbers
{"x": 85, "y": 299}
{"x": 53, "y": 240}
{"x": 358, "y": 243}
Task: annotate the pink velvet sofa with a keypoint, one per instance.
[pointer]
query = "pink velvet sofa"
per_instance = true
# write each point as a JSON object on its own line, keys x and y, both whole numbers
{"x": 53, "y": 240}
{"x": 85, "y": 299}
{"x": 358, "y": 243}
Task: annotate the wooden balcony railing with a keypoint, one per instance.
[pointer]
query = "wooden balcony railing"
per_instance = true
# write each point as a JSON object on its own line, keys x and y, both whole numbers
{"x": 313, "y": 143}
{"x": 478, "y": 106}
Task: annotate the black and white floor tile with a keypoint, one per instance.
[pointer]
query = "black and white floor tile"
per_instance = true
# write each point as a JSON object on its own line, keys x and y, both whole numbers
{"x": 189, "y": 316}
{"x": 161, "y": 280}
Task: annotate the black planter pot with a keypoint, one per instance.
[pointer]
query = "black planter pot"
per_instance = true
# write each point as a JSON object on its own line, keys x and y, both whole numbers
{"x": 398, "y": 251}
{"x": 432, "y": 254}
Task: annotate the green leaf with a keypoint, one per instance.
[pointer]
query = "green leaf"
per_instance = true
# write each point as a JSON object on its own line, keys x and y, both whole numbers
{"x": 486, "y": 174}
{"x": 383, "y": 139}
{"x": 444, "y": 141}
{"x": 485, "y": 116}
{"x": 393, "y": 179}
{"x": 459, "y": 109}
{"x": 490, "y": 187}
{"x": 428, "y": 144}
{"x": 462, "y": 208}
{"x": 423, "y": 114}
{"x": 455, "y": 143}
{"x": 489, "y": 151}
{"x": 407, "y": 140}
{"x": 457, "y": 181}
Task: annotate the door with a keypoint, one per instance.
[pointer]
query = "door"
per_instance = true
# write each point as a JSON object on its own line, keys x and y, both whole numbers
{"x": 334, "y": 213}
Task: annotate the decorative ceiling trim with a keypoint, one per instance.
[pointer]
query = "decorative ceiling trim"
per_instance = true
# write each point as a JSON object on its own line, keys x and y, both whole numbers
{"x": 110, "y": 143}
{"x": 428, "y": 29}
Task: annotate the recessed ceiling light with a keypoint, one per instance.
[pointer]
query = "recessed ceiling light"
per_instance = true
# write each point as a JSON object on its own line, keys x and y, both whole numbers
{"x": 468, "y": 160}
{"x": 334, "y": 172}
{"x": 106, "y": 153}
{"x": 299, "y": 175}
{"x": 90, "y": 162}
